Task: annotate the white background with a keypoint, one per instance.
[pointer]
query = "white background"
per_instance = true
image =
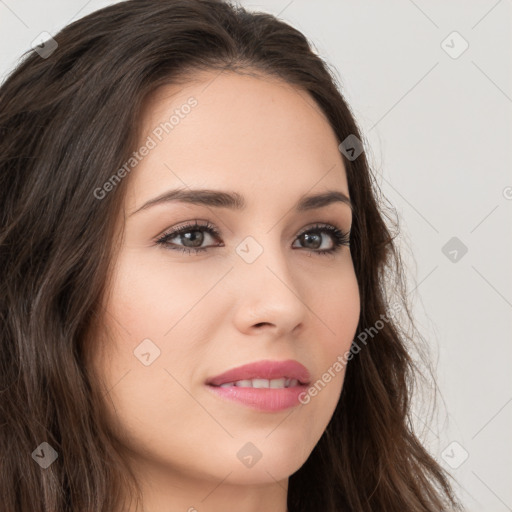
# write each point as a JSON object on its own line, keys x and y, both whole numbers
{"x": 440, "y": 134}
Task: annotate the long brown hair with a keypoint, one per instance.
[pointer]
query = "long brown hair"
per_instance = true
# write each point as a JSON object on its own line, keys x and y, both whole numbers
{"x": 68, "y": 121}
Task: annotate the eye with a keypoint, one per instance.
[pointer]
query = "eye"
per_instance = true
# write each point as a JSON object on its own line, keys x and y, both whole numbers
{"x": 313, "y": 238}
{"x": 192, "y": 235}
{"x": 196, "y": 230}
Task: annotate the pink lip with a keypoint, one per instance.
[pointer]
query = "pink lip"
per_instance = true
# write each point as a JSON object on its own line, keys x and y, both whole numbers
{"x": 264, "y": 370}
{"x": 266, "y": 399}
{"x": 263, "y": 399}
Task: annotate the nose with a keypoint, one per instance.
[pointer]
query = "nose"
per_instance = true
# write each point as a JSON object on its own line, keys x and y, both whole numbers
{"x": 269, "y": 295}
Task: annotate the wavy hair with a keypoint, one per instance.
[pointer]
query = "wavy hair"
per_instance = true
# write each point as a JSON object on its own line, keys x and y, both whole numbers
{"x": 67, "y": 122}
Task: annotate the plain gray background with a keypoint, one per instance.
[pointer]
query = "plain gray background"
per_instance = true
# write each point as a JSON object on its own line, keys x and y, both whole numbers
{"x": 438, "y": 123}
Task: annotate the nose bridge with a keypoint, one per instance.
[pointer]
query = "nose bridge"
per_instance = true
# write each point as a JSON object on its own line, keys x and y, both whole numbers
{"x": 262, "y": 250}
{"x": 268, "y": 286}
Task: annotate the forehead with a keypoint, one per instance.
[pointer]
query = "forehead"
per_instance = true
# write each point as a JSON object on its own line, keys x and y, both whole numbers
{"x": 253, "y": 134}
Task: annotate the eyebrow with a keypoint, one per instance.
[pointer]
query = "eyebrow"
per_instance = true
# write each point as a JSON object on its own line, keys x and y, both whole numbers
{"x": 235, "y": 201}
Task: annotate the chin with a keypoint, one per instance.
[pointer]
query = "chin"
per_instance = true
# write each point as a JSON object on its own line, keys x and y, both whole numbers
{"x": 270, "y": 459}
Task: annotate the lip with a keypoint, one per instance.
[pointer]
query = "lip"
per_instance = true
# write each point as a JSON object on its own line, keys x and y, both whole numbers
{"x": 263, "y": 399}
{"x": 265, "y": 369}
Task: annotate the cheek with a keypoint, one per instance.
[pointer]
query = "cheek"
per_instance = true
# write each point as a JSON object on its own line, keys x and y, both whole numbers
{"x": 339, "y": 309}
{"x": 151, "y": 308}
{"x": 149, "y": 296}
{"x": 338, "y": 314}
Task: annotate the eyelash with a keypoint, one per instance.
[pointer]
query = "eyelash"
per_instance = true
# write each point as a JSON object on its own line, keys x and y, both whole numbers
{"x": 339, "y": 237}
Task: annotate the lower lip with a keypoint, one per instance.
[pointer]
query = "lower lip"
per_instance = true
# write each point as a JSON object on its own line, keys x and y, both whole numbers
{"x": 262, "y": 399}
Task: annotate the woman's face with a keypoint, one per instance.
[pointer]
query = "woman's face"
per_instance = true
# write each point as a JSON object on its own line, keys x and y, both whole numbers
{"x": 260, "y": 289}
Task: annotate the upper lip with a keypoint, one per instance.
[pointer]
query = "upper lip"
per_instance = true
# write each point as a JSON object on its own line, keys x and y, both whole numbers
{"x": 264, "y": 370}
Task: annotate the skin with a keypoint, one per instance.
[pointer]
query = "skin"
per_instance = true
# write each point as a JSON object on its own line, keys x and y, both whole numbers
{"x": 213, "y": 311}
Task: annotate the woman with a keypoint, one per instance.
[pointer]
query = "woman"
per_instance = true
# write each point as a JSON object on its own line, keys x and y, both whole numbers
{"x": 187, "y": 215}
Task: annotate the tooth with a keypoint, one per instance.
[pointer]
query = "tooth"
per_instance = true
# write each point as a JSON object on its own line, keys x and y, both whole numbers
{"x": 277, "y": 383}
{"x": 260, "y": 383}
{"x": 243, "y": 383}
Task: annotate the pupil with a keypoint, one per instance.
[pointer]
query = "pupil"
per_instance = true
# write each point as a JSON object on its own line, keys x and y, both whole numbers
{"x": 197, "y": 241}
{"x": 310, "y": 237}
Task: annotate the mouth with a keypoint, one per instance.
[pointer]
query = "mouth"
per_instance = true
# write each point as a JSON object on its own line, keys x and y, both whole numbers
{"x": 267, "y": 386}
{"x": 282, "y": 383}
{"x": 264, "y": 374}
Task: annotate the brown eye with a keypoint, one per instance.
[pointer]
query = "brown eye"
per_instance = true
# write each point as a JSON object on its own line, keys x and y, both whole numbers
{"x": 192, "y": 236}
{"x": 312, "y": 238}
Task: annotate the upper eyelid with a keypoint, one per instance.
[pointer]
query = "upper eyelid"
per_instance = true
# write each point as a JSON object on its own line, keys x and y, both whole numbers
{"x": 207, "y": 226}
{"x": 191, "y": 225}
